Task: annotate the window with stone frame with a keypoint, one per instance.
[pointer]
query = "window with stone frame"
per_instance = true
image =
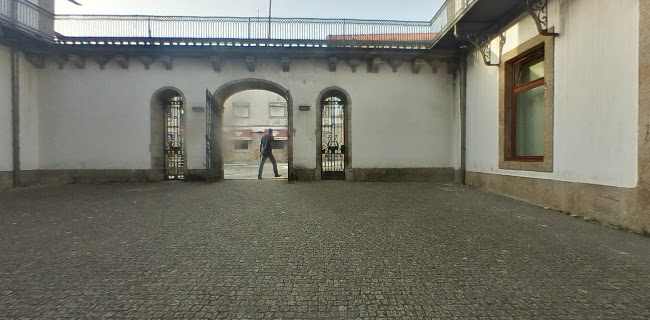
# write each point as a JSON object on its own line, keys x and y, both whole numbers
{"x": 241, "y": 109}
{"x": 526, "y": 107}
{"x": 277, "y": 110}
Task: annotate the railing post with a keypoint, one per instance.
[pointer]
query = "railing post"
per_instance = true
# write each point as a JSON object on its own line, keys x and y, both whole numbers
{"x": 149, "y": 26}
{"x": 451, "y": 12}
{"x": 14, "y": 11}
{"x": 270, "y": 1}
{"x": 249, "y": 28}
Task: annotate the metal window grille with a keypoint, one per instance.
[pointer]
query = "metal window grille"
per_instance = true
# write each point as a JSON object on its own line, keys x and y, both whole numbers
{"x": 174, "y": 153}
{"x": 333, "y": 138}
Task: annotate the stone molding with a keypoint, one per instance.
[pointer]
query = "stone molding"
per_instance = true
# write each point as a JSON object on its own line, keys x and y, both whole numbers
{"x": 505, "y": 103}
{"x": 79, "y": 58}
{"x": 403, "y": 174}
{"x": 611, "y": 205}
{"x": 56, "y": 177}
{"x": 6, "y": 180}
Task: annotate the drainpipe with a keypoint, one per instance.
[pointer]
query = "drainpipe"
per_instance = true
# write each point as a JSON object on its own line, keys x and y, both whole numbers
{"x": 462, "y": 83}
{"x": 15, "y": 117}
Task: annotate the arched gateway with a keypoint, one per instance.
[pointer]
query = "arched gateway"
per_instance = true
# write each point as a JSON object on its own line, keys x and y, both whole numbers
{"x": 214, "y": 121}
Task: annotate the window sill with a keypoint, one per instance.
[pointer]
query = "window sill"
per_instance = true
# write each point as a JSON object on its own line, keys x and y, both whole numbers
{"x": 527, "y": 165}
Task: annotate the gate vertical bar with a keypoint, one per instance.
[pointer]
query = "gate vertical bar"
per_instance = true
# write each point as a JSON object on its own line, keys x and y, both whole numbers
{"x": 208, "y": 136}
{"x": 214, "y": 161}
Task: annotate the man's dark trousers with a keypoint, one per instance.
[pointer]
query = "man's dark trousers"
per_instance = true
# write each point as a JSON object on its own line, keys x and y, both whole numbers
{"x": 275, "y": 165}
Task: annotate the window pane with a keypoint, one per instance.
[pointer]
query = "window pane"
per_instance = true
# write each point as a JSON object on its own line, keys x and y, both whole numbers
{"x": 531, "y": 71}
{"x": 529, "y": 134}
{"x": 240, "y": 109}
{"x": 241, "y": 145}
{"x": 276, "y": 111}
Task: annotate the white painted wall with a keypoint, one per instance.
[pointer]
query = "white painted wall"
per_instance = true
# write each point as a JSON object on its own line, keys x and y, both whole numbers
{"x": 455, "y": 121}
{"x": 403, "y": 123}
{"x": 93, "y": 119}
{"x": 596, "y": 95}
{"x": 29, "y": 115}
{"x": 6, "y": 156}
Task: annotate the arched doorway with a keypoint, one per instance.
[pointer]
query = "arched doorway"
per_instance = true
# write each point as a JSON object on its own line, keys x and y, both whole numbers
{"x": 248, "y": 115}
{"x": 216, "y": 145}
{"x": 167, "y": 135}
{"x": 334, "y": 157}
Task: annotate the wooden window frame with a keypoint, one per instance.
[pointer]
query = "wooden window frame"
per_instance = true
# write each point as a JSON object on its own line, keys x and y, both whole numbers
{"x": 527, "y": 52}
{"x": 517, "y": 89}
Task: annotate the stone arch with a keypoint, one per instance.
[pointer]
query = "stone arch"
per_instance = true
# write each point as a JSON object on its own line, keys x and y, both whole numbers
{"x": 345, "y": 96}
{"x": 227, "y": 90}
{"x": 156, "y": 147}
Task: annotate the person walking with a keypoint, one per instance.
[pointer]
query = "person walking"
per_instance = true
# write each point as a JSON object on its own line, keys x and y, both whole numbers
{"x": 266, "y": 151}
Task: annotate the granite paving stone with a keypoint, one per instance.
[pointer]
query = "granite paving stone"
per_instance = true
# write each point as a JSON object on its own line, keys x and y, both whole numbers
{"x": 268, "y": 249}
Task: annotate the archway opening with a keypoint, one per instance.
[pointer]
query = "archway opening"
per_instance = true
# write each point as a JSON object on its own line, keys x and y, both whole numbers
{"x": 247, "y": 108}
{"x": 248, "y": 115}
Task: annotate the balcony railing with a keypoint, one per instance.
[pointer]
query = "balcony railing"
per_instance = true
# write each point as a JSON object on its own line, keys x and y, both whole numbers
{"x": 446, "y": 17}
{"x": 27, "y": 17}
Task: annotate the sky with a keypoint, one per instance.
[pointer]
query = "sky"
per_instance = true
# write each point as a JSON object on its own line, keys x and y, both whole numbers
{"x": 412, "y": 10}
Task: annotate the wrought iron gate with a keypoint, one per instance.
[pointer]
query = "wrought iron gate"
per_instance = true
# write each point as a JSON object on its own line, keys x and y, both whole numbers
{"x": 174, "y": 156}
{"x": 212, "y": 154}
{"x": 333, "y": 138}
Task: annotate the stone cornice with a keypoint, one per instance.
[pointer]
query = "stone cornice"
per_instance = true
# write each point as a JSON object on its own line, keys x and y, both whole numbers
{"x": 104, "y": 55}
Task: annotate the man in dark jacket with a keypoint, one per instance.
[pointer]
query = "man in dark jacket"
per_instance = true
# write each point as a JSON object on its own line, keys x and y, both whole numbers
{"x": 266, "y": 151}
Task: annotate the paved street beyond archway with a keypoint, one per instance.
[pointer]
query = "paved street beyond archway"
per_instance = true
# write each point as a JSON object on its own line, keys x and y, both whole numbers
{"x": 269, "y": 249}
{"x": 243, "y": 171}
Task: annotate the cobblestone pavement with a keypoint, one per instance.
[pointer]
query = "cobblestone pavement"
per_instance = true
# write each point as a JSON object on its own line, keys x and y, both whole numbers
{"x": 330, "y": 250}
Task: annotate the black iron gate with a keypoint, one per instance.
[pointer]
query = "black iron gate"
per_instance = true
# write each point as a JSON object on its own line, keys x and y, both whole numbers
{"x": 174, "y": 155}
{"x": 212, "y": 154}
{"x": 333, "y": 139}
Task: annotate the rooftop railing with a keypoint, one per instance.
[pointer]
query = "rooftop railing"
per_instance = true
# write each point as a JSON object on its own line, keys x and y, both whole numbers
{"x": 253, "y": 28}
{"x": 23, "y": 15}
{"x": 27, "y": 17}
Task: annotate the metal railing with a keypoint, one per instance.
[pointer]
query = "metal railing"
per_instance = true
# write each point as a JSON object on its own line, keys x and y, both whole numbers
{"x": 253, "y": 28}
{"x": 23, "y": 15}
{"x": 446, "y": 17}
{"x": 28, "y": 17}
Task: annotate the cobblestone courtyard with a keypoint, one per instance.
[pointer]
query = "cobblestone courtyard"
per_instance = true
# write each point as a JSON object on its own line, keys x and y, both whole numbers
{"x": 252, "y": 249}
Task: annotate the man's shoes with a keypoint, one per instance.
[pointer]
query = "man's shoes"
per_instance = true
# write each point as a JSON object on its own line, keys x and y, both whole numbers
{"x": 278, "y": 175}
{"x": 258, "y": 177}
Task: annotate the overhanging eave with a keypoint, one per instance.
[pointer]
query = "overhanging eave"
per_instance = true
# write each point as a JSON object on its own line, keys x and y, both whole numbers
{"x": 481, "y": 17}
